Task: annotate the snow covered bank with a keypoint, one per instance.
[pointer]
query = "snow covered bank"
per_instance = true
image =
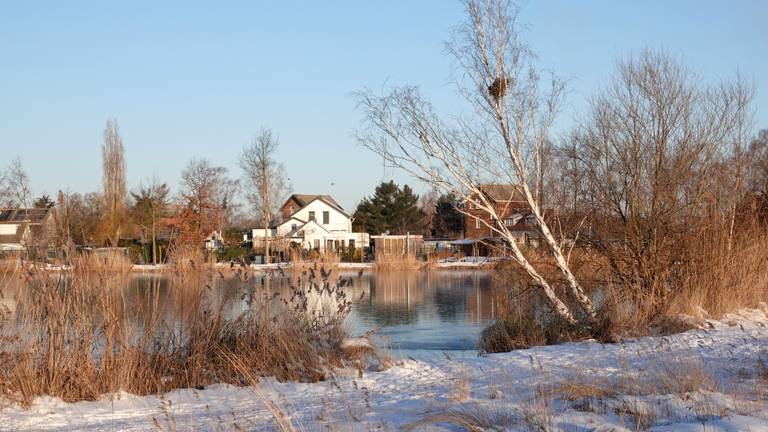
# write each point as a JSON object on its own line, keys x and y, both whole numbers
{"x": 706, "y": 379}
{"x": 467, "y": 263}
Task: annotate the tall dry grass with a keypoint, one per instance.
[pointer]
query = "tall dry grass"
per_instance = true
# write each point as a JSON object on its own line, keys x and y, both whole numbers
{"x": 396, "y": 262}
{"x": 10, "y": 264}
{"x": 187, "y": 258}
{"x": 724, "y": 274}
{"x": 105, "y": 260}
{"x": 721, "y": 271}
{"x": 76, "y": 335}
{"x": 302, "y": 260}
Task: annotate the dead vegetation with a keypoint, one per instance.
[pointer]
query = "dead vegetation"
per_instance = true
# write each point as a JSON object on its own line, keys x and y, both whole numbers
{"x": 76, "y": 335}
{"x": 397, "y": 262}
{"x": 301, "y": 260}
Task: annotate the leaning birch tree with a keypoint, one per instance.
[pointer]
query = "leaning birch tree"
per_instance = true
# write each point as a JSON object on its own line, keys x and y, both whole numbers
{"x": 265, "y": 178}
{"x": 501, "y": 140}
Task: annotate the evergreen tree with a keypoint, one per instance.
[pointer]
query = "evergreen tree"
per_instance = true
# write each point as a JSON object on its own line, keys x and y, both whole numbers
{"x": 390, "y": 209}
{"x": 448, "y": 221}
{"x": 43, "y": 202}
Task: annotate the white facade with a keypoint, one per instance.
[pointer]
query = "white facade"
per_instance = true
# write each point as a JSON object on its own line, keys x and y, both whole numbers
{"x": 317, "y": 225}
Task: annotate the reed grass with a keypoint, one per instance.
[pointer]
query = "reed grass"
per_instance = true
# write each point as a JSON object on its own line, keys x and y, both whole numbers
{"x": 720, "y": 273}
{"x": 104, "y": 260}
{"x": 75, "y": 335}
{"x": 397, "y": 262}
{"x": 302, "y": 260}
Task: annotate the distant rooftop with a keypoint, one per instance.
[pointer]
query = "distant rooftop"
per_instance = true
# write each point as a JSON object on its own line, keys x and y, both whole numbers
{"x": 18, "y": 215}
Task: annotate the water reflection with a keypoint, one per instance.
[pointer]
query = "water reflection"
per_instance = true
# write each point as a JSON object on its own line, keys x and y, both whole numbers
{"x": 422, "y": 310}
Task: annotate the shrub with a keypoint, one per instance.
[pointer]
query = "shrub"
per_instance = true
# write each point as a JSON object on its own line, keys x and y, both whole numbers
{"x": 232, "y": 253}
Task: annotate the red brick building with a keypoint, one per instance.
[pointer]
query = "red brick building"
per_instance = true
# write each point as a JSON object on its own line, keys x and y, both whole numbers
{"x": 509, "y": 203}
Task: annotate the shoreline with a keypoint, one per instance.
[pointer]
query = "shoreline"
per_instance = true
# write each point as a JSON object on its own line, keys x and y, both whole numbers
{"x": 570, "y": 386}
{"x": 263, "y": 268}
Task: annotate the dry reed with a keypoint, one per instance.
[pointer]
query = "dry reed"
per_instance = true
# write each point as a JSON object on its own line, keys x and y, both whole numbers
{"x": 393, "y": 262}
{"x": 75, "y": 335}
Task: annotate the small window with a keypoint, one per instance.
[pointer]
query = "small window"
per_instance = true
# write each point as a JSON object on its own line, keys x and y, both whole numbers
{"x": 311, "y": 215}
{"x": 293, "y": 227}
{"x": 351, "y": 243}
{"x": 326, "y": 218}
{"x": 317, "y": 244}
{"x": 477, "y": 223}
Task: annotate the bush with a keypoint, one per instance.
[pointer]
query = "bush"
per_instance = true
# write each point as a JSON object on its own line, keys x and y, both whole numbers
{"x": 352, "y": 254}
{"x": 521, "y": 332}
{"x": 232, "y": 253}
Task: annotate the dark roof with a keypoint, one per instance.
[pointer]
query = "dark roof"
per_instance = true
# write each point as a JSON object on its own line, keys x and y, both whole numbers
{"x": 304, "y": 199}
{"x": 525, "y": 221}
{"x": 34, "y": 215}
{"x": 502, "y": 192}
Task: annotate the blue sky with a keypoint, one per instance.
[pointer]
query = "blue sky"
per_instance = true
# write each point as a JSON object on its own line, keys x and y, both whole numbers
{"x": 189, "y": 79}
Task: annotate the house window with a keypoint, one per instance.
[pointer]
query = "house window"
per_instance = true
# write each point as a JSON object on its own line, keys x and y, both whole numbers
{"x": 311, "y": 215}
{"x": 293, "y": 227}
{"x": 477, "y": 223}
{"x": 329, "y": 244}
{"x": 351, "y": 243}
{"x": 317, "y": 244}
{"x": 326, "y": 218}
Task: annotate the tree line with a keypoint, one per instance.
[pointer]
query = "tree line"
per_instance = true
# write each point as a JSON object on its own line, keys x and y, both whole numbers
{"x": 114, "y": 216}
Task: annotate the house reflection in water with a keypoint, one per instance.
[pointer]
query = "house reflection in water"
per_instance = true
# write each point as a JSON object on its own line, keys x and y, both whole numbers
{"x": 398, "y": 298}
{"x": 423, "y": 310}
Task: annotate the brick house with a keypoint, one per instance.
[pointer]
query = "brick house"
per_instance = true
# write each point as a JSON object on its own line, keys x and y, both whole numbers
{"x": 509, "y": 204}
{"x": 513, "y": 212}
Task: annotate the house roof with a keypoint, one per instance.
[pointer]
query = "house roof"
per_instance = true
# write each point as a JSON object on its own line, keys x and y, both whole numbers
{"x": 18, "y": 215}
{"x": 294, "y": 232}
{"x": 502, "y": 192}
{"x": 304, "y": 200}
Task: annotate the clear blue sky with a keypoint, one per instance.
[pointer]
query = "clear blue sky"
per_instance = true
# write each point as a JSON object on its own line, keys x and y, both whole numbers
{"x": 188, "y": 79}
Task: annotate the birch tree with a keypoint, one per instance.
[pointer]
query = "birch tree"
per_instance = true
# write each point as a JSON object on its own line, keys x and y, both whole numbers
{"x": 265, "y": 178}
{"x": 501, "y": 140}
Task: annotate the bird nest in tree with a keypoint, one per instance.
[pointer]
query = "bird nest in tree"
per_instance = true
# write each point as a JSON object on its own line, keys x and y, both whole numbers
{"x": 498, "y": 88}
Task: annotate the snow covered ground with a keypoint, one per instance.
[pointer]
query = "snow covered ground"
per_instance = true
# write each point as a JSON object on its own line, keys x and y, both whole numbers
{"x": 710, "y": 379}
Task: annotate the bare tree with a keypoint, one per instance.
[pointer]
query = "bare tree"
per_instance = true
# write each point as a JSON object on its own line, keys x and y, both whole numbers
{"x": 652, "y": 153}
{"x": 150, "y": 205}
{"x": 266, "y": 181}
{"x": 206, "y": 197}
{"x": 502, "y": 142}
{"x": 77, "y": 219}
{"x": 113, "y": 182}
{"x": 14, "y": 185}
{"x": 428, "y": 204}
{"x": 757, "y": 154}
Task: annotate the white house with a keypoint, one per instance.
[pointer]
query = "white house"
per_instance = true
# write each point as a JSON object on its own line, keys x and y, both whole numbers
{"x": 19, "y": 227}
{"x": 314, "y": 222}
